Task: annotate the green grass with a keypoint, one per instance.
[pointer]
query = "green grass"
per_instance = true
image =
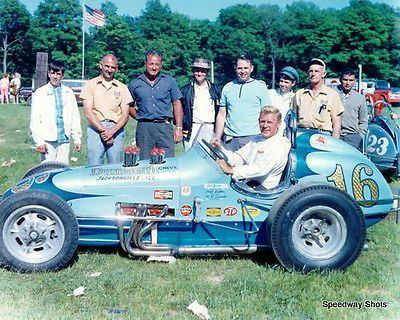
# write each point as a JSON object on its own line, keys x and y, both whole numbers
{"x": 254, "y": 287}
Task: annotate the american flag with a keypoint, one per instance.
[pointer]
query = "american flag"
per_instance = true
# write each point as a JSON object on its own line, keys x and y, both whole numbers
{"x": 94, "y": 16}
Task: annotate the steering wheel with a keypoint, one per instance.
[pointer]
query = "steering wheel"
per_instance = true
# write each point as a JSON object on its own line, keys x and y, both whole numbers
{"x": 216, "y": 153}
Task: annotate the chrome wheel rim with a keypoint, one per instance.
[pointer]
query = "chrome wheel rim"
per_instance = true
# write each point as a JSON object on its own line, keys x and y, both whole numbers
{"x": 33, "y": 234}
{"x": 319, "y": 233}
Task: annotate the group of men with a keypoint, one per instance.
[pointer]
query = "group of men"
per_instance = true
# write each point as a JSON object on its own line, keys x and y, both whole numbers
{"x": 245, "y": 119}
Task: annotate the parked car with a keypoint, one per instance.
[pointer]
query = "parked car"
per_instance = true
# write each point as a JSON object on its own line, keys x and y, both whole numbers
{"x": 25, "y": 94}
{"x": 380, "y": 90}
{"x": 315, "y": 219}
{"x": 76, "y": 85}
{"x": 382, "y": 141}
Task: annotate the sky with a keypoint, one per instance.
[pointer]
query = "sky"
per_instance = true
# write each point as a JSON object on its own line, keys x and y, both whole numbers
{"x": 201, "y": 9}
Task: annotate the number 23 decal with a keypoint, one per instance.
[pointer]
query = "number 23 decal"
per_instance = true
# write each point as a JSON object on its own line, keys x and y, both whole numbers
{"x": 359, "y": 186}
{"x": 378, "y": 146}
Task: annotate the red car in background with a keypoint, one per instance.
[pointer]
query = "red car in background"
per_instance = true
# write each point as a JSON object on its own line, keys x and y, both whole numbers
{"x": 380, "y": 90}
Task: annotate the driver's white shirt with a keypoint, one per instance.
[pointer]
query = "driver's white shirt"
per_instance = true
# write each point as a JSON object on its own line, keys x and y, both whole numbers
{"x": 261, "y": 159}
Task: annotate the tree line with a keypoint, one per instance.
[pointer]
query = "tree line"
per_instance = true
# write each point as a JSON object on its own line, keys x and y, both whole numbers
{"x": 363, "y": 33}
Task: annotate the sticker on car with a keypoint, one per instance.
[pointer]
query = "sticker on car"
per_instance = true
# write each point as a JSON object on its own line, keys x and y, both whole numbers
{"x": 163, "y": 194}
{"x": 186, "y": 210}
{"x": 213, "y": 212}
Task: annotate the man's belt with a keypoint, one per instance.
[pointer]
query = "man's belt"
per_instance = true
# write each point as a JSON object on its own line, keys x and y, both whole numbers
{"x": 155, "y": 120}
{"x": 319, "y": 130}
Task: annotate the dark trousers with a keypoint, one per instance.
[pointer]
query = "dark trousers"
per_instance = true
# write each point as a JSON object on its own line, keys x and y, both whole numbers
{"x": 354, "y": 139}
{"x": 151, "y": 135}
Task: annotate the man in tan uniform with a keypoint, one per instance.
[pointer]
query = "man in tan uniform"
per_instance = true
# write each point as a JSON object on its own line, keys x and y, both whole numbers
{"x": 106, "y": 106}
{"x": 317, "y": 105}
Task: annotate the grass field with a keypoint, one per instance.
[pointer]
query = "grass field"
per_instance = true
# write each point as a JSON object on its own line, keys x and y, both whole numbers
{"x": 254, "y": 287}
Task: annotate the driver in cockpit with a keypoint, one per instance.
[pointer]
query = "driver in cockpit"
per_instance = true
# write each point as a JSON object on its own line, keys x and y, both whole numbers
{"x": 262, "y": 160}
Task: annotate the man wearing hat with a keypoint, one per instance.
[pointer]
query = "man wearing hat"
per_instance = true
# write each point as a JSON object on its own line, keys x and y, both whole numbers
{"x": 318, "y": 106}
{"x": 282, "y": 97}
{"x": 200, "y": 104}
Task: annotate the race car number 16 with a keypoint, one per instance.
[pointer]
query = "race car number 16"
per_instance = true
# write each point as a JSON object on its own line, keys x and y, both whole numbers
{"x": 365, "y": 190}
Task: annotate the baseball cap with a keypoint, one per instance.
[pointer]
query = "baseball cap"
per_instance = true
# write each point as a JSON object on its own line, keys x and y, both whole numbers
{"x": 291, "y": 73}
{"x": 201, "y": 63}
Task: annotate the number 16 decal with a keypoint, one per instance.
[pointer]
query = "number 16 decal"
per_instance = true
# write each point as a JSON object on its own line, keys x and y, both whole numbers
{"x": 361, "y": 187}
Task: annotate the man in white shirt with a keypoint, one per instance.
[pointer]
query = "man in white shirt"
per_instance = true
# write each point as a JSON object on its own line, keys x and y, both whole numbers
{"x": 200, "y": 100}
{"x": 55, "y": 118}
{"x": 282, "y": 97}
{"x": 264, "y": 158}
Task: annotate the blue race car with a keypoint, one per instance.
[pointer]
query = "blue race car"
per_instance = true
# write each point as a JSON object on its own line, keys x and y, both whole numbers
{"x": 382, "y": 141}
{"x": 315, "y": 219}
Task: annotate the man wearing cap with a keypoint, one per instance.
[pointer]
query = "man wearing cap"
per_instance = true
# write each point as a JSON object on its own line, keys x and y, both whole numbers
{"x": 282, "y": 97}
{"x": 240, "y": 105}
{"x": 200, "y": 104}
{"x": 153, "y": 93}
{"x": 355, "y": 115}
{"x": 318, "y": 106}
{"x": 106, "y": 105}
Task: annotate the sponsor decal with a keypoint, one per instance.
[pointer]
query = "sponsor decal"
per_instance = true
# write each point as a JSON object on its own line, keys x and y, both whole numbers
{"x": 163, "y": 194}
{"x": 149, "y": 173}
{"x": 42, "y": 177}
{"x": 23, "y": 185}
{"x": 215, "y": 194}
{"x": 216, "y": 186}
{"x": 186, "y": 191}
{"x": 260, "y": 151}
{"x": 230, "y": 211}
{"x": 186, "y": 210}
{"x": 253, "y": 211}
{"x": 322, "y": 140}
{"x": 213, "y": 212}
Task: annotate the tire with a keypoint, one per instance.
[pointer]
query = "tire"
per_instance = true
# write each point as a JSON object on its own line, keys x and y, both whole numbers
{"x": 317, "y": 227}
{"x": 43, "y": 167}
{"x": 38, "y": 232}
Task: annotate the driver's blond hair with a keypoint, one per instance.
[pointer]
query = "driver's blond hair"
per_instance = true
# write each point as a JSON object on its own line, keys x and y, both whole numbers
{"x": 271, "y": 110}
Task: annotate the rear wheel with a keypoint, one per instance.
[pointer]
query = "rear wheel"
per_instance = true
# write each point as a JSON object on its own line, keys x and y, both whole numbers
{"x": 38, "y": 231}
{"x": 318, "y": 227}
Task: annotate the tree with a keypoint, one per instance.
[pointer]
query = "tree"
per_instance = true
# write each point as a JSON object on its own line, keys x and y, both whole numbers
{"x": 369, "y": 38}
{"x": 14, "y": 23}
{"x": 56, "y": 29}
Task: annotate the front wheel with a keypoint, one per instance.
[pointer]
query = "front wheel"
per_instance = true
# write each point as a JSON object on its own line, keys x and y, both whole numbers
{"x": 318, "y": 227}
{"x": 38, "y": 231}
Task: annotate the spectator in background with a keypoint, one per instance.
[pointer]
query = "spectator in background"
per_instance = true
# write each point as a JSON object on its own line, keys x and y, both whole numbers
{"x": 240, "y": 105}
{"x": 55, "y": 117}
{"x": 200, "y": 104}
{"x": 354, "y": 117}
{"x": 4, "y": 88}
{"x": 106, "y": 106}
{"x": 318, "y": 106}
{"x": 153, "y": 93}
{"x": 15, "y": 85}
{"x": 282, "y": 97}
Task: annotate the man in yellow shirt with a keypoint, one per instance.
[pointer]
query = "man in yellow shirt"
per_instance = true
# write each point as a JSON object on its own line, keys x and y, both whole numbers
{"x": 317, "y": 105}
{"x": 106, "y": 106}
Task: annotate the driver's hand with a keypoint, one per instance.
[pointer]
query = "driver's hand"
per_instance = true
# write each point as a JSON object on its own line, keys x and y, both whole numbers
{"x": 216, "y": 142}
{"x": 224, "y": 166}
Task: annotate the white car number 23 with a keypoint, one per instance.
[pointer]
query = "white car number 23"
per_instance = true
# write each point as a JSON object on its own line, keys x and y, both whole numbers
{"x": 378, "y": 146}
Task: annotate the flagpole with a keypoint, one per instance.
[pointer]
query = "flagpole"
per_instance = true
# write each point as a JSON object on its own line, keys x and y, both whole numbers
{"x": 83, "y": 39}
